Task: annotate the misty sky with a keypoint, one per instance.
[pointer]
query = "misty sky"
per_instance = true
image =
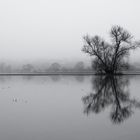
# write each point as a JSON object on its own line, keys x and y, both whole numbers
{"x": 53, "y": 29}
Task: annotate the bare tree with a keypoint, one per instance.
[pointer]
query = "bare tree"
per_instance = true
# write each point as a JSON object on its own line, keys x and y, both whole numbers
{"x": 110, "y": 58}
{"x": 79, "y": 66}
{"x": 55, "y": 67}
{"x": 27, "y": 68}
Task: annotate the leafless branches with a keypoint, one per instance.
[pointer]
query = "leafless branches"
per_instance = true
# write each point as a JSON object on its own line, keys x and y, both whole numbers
{"x": 108, "y": 58}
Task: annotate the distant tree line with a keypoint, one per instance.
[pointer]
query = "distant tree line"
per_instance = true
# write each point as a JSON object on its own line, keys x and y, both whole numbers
{"x": 52, "y": 68}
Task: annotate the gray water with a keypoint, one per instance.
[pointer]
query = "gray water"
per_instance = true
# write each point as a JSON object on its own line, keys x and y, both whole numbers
{"x": 69, "y": 108}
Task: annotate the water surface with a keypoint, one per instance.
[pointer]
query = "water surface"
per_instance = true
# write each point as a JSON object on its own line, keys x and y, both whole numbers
{"x": 69, "y": 108}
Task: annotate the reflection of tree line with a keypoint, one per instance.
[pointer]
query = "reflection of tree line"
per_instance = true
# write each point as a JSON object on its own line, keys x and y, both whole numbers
{"x": 55, "y": 78}
{"x": 111, "y": 90}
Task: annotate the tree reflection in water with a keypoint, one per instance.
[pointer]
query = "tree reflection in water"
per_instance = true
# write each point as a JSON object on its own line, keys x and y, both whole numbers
{"x": 111, "y": 91}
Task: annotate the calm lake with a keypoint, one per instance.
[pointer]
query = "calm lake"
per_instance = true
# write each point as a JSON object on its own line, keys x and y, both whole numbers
{"x": 69, "y": 108}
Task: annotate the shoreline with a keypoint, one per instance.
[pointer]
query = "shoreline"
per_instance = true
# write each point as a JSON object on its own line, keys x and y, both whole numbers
{"x": 66, "y": 74}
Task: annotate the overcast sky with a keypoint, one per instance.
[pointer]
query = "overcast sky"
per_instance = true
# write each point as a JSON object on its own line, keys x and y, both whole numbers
{"x": 53, "y": 29}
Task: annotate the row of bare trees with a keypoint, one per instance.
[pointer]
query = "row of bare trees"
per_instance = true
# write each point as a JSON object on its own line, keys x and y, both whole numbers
{"x": 54, "y": 67}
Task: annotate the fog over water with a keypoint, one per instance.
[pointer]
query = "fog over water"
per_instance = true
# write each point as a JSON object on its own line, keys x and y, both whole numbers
{"x": 37, "y": 30}
{"x": 40, "y": 50}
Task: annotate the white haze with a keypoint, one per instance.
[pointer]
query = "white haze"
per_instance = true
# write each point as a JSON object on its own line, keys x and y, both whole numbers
{"x": 53, "y": 29}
